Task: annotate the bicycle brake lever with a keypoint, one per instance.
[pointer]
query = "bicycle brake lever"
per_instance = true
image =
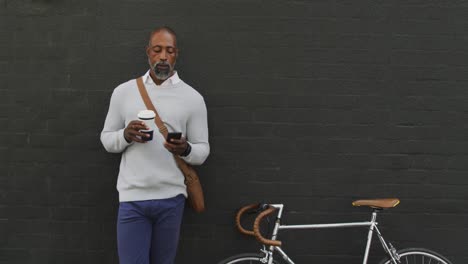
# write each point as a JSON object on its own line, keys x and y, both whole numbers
{"x": 261, "y": 207}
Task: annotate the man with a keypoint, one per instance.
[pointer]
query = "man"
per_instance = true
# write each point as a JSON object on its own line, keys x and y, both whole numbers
{"x": 151, "y": 186}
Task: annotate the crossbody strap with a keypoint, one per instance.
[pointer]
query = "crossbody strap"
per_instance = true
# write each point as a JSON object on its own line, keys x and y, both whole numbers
{"x": 144, "y": 95}
{"x": 188, "y": 172}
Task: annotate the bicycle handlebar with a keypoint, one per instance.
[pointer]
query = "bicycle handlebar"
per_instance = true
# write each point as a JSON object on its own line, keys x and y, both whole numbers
{"x": 239, "y": 215}
{"x": 256, "y": 229}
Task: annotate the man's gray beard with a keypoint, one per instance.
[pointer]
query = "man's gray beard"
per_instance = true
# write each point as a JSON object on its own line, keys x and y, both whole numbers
{"x": 162, "y": 75}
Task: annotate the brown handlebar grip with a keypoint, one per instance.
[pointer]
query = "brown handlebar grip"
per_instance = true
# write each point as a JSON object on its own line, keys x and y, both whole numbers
{"x": 238, "y": 219}
{"x": 256, "y": 229}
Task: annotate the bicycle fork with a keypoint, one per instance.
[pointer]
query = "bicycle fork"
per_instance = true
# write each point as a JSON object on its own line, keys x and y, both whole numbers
{"x": 269, "y": 253}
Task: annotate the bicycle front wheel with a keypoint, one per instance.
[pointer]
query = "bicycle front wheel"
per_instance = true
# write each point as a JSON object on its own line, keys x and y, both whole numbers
{"x": 418, "y": 256}
{"x": 247, "y": 258}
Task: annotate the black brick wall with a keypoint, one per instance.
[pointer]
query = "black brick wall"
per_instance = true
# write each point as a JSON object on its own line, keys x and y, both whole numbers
{"x": 311, "y": 103}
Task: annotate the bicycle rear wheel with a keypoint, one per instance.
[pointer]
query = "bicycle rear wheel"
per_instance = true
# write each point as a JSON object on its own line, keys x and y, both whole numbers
{"x": 418, "y": 256}
{"x": 246, "y": 258}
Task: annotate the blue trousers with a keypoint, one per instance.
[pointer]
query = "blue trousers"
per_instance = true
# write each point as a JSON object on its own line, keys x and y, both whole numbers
{"x": 148, "y": 231}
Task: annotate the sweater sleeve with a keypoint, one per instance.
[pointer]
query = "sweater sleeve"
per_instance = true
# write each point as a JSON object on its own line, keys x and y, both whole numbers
{"x": 197, "y": 135}
{"x": 112, "y": 135}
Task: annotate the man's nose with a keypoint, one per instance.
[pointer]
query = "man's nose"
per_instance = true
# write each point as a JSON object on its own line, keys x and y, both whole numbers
{"x": 163, "y": 55}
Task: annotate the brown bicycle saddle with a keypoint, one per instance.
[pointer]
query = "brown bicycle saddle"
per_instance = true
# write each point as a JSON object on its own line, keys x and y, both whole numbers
{"x": 378, "y": 203}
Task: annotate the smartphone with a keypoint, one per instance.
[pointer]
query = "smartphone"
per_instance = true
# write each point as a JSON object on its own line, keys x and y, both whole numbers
{"x": 173, "y": 135}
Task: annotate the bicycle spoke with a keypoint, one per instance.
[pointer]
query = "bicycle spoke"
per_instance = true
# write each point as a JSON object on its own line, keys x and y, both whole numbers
{"x": 418, "y": 259}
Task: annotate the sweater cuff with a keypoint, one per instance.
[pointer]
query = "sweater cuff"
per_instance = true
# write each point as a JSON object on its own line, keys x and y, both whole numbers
{"x": 123, "y": 142}
{"x": 198, "y": 154}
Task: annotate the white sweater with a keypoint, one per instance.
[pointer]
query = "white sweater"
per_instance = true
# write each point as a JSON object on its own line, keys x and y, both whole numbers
{"x": 148, "y": 170}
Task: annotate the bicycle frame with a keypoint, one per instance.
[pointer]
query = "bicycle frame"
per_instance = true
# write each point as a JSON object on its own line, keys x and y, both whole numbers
{"x": 372, "y": 224}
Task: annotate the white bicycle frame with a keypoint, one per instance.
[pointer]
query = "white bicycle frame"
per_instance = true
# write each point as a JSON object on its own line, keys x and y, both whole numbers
{"x": 372, "y": 224}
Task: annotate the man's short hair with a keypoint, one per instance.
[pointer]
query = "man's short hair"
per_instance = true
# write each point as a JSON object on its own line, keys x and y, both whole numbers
{"x": 163, "y": 28}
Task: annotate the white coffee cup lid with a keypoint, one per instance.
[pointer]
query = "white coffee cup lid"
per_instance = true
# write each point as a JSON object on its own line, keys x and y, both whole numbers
{"x": 146, "y": 114}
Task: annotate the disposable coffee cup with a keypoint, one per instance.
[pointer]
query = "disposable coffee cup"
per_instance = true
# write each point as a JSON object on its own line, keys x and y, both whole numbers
{"x": 147, "y": 116}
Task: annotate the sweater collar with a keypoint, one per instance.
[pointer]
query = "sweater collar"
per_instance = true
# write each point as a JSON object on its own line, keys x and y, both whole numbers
{"x": 174, "y": 79}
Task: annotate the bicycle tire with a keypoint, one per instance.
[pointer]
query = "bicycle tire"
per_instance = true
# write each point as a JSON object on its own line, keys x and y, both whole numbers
{"x": 419, "y": 256}
{"x": 245, "y": 258}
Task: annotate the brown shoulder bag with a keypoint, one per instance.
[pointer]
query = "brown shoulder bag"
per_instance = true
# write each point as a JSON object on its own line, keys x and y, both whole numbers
{"x": 194, "y": 188}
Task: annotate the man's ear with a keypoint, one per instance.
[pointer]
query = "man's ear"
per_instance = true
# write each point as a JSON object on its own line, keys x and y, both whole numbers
{"x": 147, "y": 50}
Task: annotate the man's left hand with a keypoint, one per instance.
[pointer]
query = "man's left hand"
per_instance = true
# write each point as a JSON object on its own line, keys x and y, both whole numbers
{"x": 176, "y": 146}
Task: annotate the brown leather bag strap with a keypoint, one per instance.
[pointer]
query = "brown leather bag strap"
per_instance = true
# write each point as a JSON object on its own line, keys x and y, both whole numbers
{"x": 162, "y": 128}
{"x": 144, "y": 95}
{"x": 194, "y": 188}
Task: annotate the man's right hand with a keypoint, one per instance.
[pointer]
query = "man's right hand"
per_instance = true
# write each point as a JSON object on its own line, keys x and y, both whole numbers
{"x": 132, "y": 131}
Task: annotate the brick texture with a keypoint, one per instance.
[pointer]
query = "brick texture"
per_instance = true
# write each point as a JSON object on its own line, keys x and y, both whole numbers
{"x": 311, "y": 104}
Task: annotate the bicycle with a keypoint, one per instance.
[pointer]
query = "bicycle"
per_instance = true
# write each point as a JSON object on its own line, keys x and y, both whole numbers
{"x": 266, "y": 255}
